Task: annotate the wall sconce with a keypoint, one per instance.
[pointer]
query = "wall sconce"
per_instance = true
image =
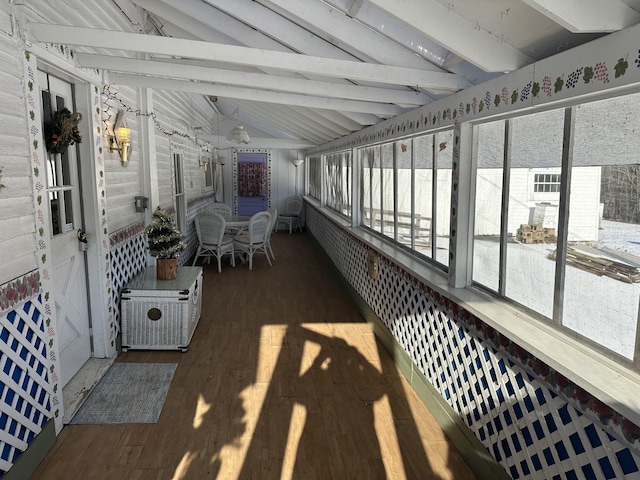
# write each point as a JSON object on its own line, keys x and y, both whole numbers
{"x": 120, "y": 140}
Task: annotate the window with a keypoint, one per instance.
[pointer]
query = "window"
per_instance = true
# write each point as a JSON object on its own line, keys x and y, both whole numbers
{"x": 370, "y": 188}
{"x": 315, "y": 177}
{"x": 423, "y": 194}
{"x": 564, "y": 249}
{"x": 406, "y": 192}
{"x": 338, "y": 182}
{"x": 180, "y": 202}
{"x": 546, "y": 182}
{"x": 61, "y": 169}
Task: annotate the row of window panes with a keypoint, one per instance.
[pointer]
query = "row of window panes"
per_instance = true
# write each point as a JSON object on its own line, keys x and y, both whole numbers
{"x": 519, "y": 229}
{"x": 406, "y": 192}
{"x": 593, "y": 288}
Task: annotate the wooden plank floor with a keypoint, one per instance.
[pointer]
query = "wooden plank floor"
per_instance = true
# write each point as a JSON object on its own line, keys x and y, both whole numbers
{"x": 282, "y": 379}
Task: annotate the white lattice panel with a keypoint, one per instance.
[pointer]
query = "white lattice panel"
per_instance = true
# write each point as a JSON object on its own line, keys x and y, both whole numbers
{"x": 128, "y": 259}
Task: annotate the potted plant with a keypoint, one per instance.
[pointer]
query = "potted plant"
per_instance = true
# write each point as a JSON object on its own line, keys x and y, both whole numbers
{"x": 165, "y": 243}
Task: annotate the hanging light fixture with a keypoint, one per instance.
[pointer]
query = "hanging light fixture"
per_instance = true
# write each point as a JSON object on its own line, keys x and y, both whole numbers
{"x": 238, "y": 134}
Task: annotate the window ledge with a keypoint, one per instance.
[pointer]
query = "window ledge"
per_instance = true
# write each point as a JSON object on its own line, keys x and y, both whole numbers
{"x": 602, "y": 377}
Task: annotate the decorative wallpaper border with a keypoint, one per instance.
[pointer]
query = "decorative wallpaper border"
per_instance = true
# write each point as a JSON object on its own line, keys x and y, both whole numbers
{"x": 125, "y": 234}
{"x": 43, "y": 247}
{"x": 18, "y": 290}
{"x": 604, "y": 63}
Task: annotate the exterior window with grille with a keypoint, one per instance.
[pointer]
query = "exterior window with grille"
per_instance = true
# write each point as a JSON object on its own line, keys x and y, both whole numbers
{"x": 546, "y": 182}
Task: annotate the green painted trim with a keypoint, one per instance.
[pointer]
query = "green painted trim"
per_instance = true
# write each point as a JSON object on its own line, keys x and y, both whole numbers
{"x": 30, "y": 459}
{"x": 474, "y": 453}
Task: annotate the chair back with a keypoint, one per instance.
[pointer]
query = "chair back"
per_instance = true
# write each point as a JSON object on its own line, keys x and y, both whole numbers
{"x": 259, "y": 227}
{"x": 221, "y": 208}
{"x": 274, "y": 217}
{"x": 210, "y": 228}
{"x": 293, "y": 205}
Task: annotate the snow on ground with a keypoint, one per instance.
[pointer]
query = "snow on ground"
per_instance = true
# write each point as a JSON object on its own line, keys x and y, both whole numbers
{"x": 623, "y": 237}
{"x": 598, "y": 307}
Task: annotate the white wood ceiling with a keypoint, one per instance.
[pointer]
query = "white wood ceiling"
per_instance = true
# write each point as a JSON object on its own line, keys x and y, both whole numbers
{"x": 304, "y": 72}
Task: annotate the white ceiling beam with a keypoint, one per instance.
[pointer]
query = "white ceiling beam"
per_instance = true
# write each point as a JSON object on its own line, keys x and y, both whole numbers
{"x": 299, "y": 116}
{"x": 89, "y": 37}
{"x": 142, "y": 81}
{"x": 246, "y": 23}
{"x": 412, "y": 39}
{"x": 355, "y": 7}
{"x": 253, "y": 80}
{"x": 201, "y": 25}
{"x": 587, "y": 16}
{"x": 256, "y": 142}
{"x": 282, "y": 116}
{"x": 207, "y": 24}
{"x": 228, "y": 15}
{"x": 314, "y": 118}
{"x": 456, "y": 33}
{"x": 326, "y": 22}
{"x": 339, "y": 119}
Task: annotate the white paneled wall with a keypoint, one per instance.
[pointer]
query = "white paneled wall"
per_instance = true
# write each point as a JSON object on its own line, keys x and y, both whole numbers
{"x": 17, "y": 230}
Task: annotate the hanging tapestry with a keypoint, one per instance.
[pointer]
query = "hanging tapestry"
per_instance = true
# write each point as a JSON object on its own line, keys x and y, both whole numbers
{"x": 252, "y": 179}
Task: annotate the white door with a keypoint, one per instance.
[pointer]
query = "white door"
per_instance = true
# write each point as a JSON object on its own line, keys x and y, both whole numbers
{"x": 69, "y": 275}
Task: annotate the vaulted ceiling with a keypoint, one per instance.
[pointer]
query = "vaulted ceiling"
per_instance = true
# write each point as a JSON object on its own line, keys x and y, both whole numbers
{"x": 304, "y": 72}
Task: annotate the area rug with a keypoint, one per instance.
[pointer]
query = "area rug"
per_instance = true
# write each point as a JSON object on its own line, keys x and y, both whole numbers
{"x": 128, "y": 393}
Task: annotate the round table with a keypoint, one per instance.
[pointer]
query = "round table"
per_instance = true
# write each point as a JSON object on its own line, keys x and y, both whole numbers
{"x": 236, "y": 222}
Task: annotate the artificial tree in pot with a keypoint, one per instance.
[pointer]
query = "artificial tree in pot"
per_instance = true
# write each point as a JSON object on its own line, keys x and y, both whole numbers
{"x": 165, "y": 243}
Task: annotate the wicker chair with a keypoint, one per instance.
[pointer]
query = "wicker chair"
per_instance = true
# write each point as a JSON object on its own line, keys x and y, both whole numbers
{"x": 274, "y": 218}
{"x": 291, "y": 214}
{"x": 221, "y": 208}
{"x": 254, "y": 239}
{"x": 212, "y": 241}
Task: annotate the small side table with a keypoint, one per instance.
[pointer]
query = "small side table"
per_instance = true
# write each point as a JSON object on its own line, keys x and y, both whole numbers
{"x": 161, "y": 314}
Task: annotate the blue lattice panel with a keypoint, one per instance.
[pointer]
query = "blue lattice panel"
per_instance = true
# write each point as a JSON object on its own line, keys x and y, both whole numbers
{"x": 25, "y": 400}
{"x": 531, "y": 429}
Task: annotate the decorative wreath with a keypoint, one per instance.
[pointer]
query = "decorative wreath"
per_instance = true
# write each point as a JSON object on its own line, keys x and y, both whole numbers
{"x": 62, "y": 131}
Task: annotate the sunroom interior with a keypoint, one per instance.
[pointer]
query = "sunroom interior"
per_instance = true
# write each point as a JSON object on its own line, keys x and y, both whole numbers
{"x": 469, "y": 169}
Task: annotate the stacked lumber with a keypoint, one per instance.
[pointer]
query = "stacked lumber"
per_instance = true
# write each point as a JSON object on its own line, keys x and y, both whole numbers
{"x": 600, "y": 266}
{"x": 535, "y": 233}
